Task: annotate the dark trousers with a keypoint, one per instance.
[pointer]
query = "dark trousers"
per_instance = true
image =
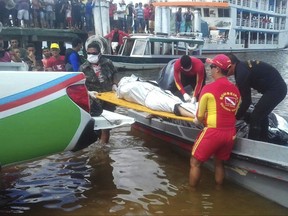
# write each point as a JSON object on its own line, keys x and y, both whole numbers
{"x": 259, "y": 122}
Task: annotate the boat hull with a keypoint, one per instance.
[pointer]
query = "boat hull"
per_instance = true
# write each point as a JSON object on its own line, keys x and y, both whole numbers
{"x": 258, "y": 166}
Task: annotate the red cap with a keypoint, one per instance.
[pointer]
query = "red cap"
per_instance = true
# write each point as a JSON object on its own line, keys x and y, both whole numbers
{"x": 222, "y": 61}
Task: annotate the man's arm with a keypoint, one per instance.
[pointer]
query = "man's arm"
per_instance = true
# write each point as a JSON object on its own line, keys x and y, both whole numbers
{"x": 243, "y": 84}
{"x": 177, "y": 77}
{"x": 74, "y": 61}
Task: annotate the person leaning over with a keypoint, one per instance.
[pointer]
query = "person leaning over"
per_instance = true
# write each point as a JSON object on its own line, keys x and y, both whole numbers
{"x": 116, "y": 38}
{"x": 188, "y": 74}
{"x": 100, "y": 77}
{"x": 266, "y": 80}
{"x": 218, "y": 104}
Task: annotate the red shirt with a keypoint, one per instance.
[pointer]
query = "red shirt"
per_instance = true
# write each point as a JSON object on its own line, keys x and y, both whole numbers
{"x": 218, "y": 104}
{"x": 198, "y": 69}
{"x": 56, "y": 64}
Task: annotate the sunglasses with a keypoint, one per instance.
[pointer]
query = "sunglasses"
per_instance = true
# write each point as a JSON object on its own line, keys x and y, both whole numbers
{"x": 92, "y": 53}
{"x": 213, "y": 66}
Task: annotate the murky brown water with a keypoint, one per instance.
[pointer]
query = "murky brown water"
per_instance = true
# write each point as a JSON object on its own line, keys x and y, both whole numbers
{"x": 134, "y": 175}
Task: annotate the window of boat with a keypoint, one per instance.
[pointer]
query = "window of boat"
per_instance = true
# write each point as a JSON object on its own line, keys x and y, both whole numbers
{"x": 127, "y": 48}
{"x": 222, "y": 12}
{"x": 161, "y": 48}
{"x": 209, "y": 12}
{"x": 139, "y": 47}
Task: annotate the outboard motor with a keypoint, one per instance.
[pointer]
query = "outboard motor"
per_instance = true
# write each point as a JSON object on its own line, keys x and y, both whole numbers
{"x": 166, "y": 76}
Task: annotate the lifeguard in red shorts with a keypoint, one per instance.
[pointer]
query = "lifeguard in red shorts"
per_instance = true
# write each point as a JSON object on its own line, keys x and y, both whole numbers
{"x": 218, "y": 104}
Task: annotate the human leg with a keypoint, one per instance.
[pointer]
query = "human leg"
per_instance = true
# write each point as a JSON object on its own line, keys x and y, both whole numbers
{"x": 219, "y": 171}
{"x": 258, "y": 128}
{"x": 105, "y": 136}
{"x": 195, "y": 171}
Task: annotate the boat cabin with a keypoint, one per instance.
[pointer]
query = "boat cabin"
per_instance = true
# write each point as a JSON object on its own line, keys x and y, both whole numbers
{"x": 154, "y": 45}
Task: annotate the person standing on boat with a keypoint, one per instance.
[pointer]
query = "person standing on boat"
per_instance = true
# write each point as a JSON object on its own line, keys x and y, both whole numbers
{"x": 182, "y": 76}
{"x": 266, "y": 80}
{"x": 218, "y": 104}
{"x": 116, "y": 39}
{"x": 189, "y": 17}
{"x": 100, "y": 77}
{"x": 178, "y": 20}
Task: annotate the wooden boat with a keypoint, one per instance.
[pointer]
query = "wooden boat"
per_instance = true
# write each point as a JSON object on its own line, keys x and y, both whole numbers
{"x": 147, "y": 51}
{"x": 258, "y": 166}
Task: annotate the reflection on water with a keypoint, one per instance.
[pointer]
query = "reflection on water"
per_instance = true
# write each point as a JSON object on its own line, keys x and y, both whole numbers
{"x": 56, "y": 181}
{"x": 133, "y": 175}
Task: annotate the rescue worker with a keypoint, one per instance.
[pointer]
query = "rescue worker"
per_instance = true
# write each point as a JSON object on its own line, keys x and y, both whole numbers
{"x": 182, "y": 76}
{"x": 266, "y": 80}
{"x": 218, "y": 104}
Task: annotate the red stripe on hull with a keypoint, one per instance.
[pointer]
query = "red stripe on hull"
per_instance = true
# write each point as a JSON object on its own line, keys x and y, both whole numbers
{"x": 41, "y": 94}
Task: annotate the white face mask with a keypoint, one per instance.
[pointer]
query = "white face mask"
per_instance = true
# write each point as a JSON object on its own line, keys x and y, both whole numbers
{"x": 93, "y": 58}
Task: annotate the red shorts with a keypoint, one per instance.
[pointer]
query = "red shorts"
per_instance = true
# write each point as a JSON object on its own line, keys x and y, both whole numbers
{"x": 214, "y": 141}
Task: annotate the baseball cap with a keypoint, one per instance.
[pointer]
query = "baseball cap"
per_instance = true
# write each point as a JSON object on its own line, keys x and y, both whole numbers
{"x": 222, "y": 61}
{"x": 54, "y": 46}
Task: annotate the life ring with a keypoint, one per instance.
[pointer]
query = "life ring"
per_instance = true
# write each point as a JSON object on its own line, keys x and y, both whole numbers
{"x": 103, "y": 43}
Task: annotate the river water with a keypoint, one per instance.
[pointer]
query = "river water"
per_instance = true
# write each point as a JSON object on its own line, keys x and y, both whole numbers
{"x": 132, "y": 175}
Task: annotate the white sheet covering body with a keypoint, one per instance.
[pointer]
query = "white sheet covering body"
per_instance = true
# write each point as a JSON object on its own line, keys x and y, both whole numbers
{"x": 147, "y": 94}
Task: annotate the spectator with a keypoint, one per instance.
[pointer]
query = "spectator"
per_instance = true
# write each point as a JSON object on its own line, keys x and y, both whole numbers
{"x": 14, "y": 43}
{"x": 72, "y": 58}
{"x": 23, "y": 13}
{"x": 189, "y": 17}
{"x": 49, "y": 12}
{"x": 89, "y": 15}
{"x": 30, "y": 59}
{"x": 11, "y": 13}
{"x": 36, "y": 12}
{"x": 60, "y": 16}
{"x": 129, "y": 12}
{"x": 56, "y": 62}
{"x": 46, "y": 54}
{"x": 121, "y": 10}
{"x": 140, "y": 18}
{"x": 146, "y": 16}
{"x": 152, "y": 19}
{"x": 116, "y": 39}
{"x": 178, "y": 20}
{"x": 136, "y": 23}
{"x": 16, "y": 55}
{"x": 76, "y": 14}
{"x": 68, "y": 13}
{"x": 4, "y": 55}
{"x": 112, "y": 13}
{"x": 99, "y": 73}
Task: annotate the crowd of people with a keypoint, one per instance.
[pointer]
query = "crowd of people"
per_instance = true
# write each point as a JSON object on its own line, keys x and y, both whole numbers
{"x": 49, "y": 14}
{"x": 75, "y": 14}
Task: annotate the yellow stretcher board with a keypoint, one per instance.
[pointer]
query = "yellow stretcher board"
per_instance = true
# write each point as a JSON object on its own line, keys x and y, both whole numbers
{"x": 111, "y": 97}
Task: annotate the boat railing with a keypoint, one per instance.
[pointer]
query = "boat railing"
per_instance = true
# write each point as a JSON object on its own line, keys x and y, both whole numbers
{"x": 260, "y": 6}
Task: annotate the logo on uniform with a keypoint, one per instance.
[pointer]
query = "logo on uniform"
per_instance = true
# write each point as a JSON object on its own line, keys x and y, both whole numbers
{"x": 229, "y": 101}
